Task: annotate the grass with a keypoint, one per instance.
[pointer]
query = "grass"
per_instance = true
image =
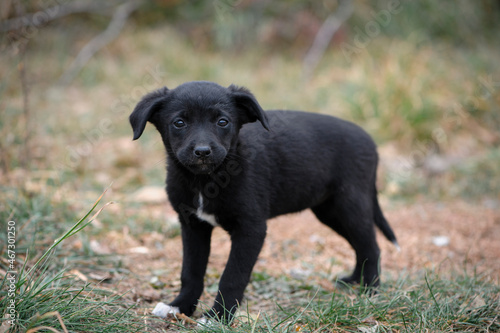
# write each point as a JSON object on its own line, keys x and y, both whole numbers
{"x": 429, "y": 304}
{"x": 44, "y": 294}
{"x": 49, "y": 296}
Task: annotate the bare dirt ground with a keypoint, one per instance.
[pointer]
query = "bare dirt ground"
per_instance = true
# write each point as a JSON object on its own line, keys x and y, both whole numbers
{"x": 302, "y": 248}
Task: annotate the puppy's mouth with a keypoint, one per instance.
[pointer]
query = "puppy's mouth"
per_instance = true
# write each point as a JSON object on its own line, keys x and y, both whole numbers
{"x": 198, "y": 164}
{"x": 202, "y": 167}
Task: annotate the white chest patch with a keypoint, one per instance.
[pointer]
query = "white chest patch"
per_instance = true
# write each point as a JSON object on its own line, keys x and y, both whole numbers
{"x": 209, "y": 218}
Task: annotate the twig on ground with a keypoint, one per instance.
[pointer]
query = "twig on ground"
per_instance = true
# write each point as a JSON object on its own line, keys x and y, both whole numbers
{"x": 182, "y": 316}
{"x": 47, "y": 315}
{"x": 325, "y": 35}
{"x": 117, "y": 23}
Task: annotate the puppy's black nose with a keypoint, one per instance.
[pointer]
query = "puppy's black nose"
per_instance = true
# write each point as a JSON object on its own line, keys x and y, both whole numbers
{"x": 202, "y": 151}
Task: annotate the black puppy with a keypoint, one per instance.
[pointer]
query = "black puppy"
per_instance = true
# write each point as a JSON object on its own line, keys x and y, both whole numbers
{"x": 226, "y": 170}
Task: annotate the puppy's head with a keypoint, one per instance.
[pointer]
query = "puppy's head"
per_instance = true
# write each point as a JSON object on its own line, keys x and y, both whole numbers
{"x": 199, "y": 121}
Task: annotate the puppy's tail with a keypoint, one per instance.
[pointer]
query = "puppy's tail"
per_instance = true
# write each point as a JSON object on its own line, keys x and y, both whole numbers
{"x": 382, "y": 223}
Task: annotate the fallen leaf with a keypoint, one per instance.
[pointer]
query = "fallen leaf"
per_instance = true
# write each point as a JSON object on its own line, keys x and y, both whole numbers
{"x": 139, "y": 250}
{"x": 156, "y": 283}
{"x": 372, "y": 329}
{"x": 478, "y": 302}
{"x": 79, "y": 275}
{"x": 441, "y": 240}
{"x": 150, "y": 194}
{"x": 5, "y": 327}
{"x": 99, "y": 248}
{"x": 104, "y": 276}
{"x": 148, "y": 295}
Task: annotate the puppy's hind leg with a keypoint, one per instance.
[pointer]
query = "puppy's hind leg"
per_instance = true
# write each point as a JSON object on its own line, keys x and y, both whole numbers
{"x": 351, "y": 217}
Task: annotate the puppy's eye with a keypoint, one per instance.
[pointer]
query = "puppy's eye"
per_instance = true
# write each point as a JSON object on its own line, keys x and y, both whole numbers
{"x": 222, "y": 122}
{"x": 179, "y": 123}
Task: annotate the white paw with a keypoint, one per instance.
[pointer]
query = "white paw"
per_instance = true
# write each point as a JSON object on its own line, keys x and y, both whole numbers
{"x": 207, "y": 322}
{"x": 163, "y": 310}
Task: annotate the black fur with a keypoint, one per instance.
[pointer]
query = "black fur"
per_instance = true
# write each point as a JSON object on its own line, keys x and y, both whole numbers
{"x": 247, "y": 172}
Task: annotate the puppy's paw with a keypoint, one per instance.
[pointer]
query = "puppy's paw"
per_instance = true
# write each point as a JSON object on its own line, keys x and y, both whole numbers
{"x": 164, "y": 311}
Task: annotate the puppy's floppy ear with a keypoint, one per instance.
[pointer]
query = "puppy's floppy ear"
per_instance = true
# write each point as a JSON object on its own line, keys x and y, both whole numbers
{"x": 248, "y": 106}
{"x": 145, "y": 109}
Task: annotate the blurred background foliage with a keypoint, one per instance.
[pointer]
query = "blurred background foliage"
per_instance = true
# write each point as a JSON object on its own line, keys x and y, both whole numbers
{"x": 421, "y": 76}
{"x": 287, "y": 25}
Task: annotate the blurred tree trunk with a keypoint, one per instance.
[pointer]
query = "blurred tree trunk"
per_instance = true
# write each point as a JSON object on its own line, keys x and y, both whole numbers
{"x": 325, "y": 35}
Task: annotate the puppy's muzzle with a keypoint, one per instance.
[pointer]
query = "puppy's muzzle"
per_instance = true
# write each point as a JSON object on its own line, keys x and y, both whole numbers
{"x": 202, "y": 152}
{"x": 202, "y": 158}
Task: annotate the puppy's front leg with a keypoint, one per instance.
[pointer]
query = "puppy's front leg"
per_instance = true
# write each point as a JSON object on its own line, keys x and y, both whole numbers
{"x": 196, "y": 237}
{"x": 246, "y": 243}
